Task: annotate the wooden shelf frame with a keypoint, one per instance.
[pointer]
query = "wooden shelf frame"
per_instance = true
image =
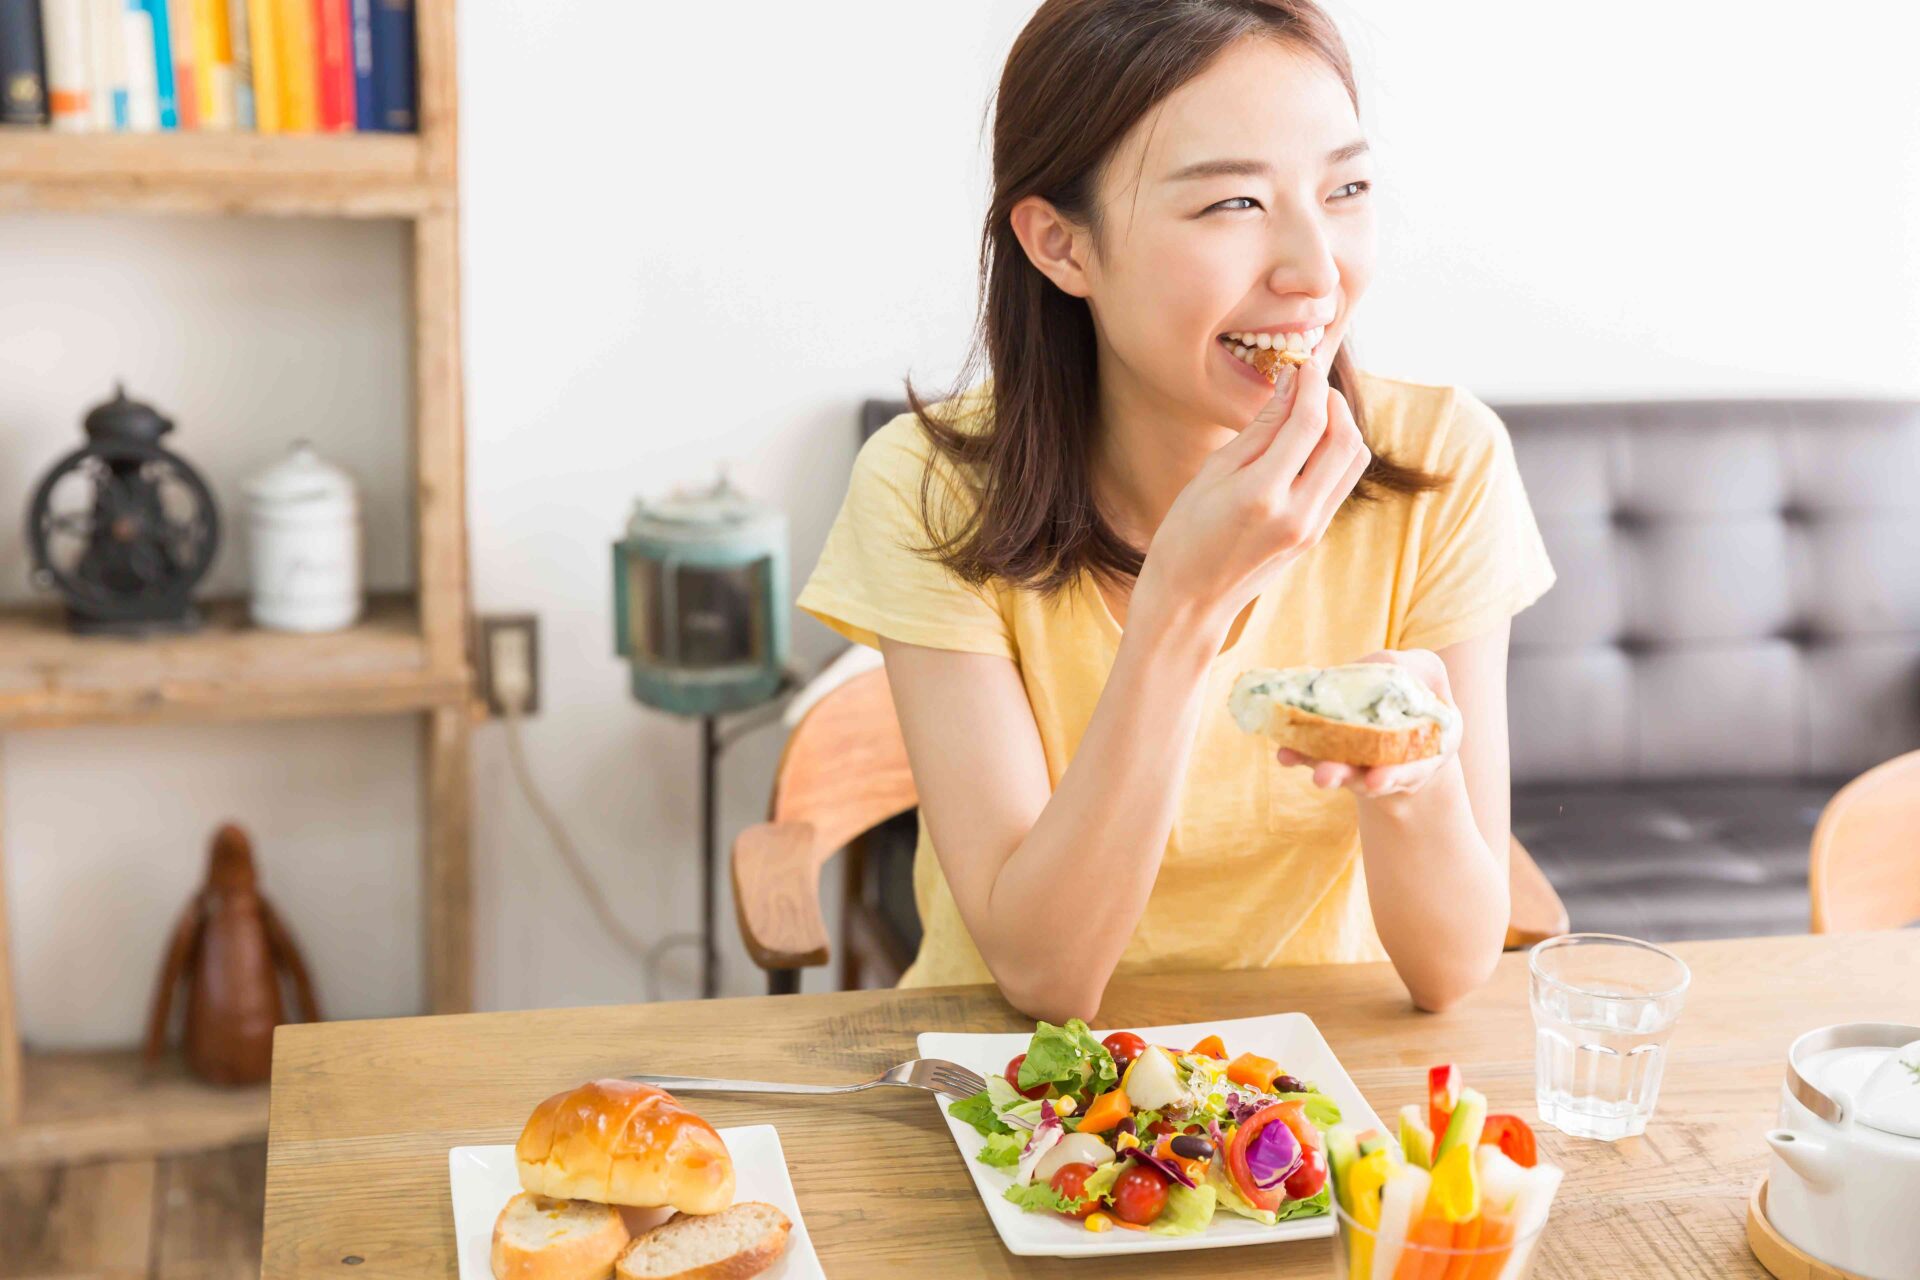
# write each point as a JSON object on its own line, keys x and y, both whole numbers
{"x": 410, "y": 654}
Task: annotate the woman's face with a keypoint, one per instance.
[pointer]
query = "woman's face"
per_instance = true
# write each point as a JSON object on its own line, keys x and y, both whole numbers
{"x": 1238, "y": 206}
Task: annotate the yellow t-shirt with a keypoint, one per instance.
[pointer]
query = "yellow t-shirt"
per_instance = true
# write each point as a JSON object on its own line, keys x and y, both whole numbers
{"x": 1261, "y": 868}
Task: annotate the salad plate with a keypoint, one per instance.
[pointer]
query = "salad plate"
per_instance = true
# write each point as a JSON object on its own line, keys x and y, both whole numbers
{"x": 1191, "y": 1221}
{"x": 485, "y": 1178}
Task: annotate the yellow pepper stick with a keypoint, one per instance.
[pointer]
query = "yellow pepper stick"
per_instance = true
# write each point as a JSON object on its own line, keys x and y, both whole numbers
{"x": 1369, "y": 1176}
{"x": 1456, "y": 1192}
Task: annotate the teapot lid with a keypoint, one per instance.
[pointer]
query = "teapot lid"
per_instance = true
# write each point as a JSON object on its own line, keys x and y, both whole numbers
{"x": 1864, "y": 1071}
{"x": 301, "y": 476}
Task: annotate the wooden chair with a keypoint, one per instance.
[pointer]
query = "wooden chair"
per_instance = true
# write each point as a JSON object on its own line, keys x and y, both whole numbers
{"x": 843, "y": 772}
{"x": 1864, "y": 872}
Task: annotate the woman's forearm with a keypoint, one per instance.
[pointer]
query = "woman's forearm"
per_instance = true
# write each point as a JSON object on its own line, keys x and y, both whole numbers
{"x": 1066, "y": 902}
{"x": 1439, "y": 894}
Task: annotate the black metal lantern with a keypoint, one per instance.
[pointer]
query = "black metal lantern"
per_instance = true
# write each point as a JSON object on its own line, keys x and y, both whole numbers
{"x": 122, "y": 528}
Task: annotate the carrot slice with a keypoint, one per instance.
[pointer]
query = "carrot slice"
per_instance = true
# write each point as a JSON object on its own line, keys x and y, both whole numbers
{"x": 1106, "y": 1111}
{"x": 1466, "y": 1235}
{"x": 1253, "y": 1071}
{"x": 1496, "y": 1234}
{"x": 1419, "y": 1263}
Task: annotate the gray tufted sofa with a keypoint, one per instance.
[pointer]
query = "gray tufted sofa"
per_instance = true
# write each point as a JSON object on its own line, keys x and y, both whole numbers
{"x": 1735, "y": 633}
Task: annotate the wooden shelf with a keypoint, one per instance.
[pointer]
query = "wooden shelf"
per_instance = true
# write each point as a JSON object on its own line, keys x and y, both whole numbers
{"x": 228, "y": 670}
{"x": 364, "y": 175}
{"x": 89, "y": 1106}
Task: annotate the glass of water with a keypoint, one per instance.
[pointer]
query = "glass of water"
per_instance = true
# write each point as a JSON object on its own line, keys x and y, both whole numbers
{"x": 1603, "y": 1009}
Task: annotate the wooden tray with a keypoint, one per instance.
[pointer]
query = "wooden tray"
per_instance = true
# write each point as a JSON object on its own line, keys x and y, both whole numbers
{"x": 1776, "y": 1254}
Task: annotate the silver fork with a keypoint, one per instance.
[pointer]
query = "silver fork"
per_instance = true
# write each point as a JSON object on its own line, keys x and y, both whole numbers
{"x": 935, "y": 1075}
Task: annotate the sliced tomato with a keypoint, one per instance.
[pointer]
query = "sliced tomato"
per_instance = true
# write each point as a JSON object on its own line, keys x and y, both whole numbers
{"x": 1514, "y": 1137}
{"x": 1294, "y": 1113}
{"x": 1443, "y": 1095}
{"x": 1236, "y": 1158}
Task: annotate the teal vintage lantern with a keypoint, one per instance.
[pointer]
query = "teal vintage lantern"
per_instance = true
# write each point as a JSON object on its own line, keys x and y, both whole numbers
{"x": 700, "y": 592}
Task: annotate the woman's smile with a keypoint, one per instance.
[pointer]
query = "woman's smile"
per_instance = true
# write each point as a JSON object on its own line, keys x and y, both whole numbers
{"x": 1240, "y": 345}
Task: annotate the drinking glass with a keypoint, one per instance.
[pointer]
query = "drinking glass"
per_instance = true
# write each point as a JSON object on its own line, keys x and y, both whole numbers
{"x": 1403, "y": 1253}
{"x": 1603, "y": 1009}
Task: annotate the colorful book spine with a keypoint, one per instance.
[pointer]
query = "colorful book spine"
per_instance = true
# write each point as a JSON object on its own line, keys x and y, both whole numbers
{"x": 107, "y": 52}
{"x": 361, "y": 18}
{"x": 269, "y": 98}
{"x": 333, "y": 57}
{"x": 23, "y": 68}
{"x": 163, "y": 86}
{"x": 240, "y": 43}
{"x": 186, "y": 92}
{"x": 299, "y": 71}
{"x": 141, "y": 45}
{"x": 393, "y": 66}
{"x": 69, "y": 65}
{"x": 213, "y": 64}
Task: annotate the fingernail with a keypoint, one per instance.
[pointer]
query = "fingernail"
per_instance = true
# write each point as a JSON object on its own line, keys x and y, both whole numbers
{"x": 1284, "y": 380}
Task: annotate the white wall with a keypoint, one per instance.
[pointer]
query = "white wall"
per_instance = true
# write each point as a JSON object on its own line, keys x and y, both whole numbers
{"x": 712, "y": 256}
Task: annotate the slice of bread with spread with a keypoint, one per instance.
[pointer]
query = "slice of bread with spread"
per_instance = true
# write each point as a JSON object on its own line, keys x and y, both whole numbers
{"x": 1363, "y": 713}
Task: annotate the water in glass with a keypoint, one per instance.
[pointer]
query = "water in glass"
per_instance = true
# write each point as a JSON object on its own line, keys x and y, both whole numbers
{"x": 1603, "y": 1010}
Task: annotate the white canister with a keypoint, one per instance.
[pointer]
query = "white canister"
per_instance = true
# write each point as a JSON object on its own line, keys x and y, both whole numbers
{"x": 303, "y": 548}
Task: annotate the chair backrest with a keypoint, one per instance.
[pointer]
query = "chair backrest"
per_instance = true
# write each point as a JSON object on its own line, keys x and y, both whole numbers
{"x": 1738, "y": 594}
{"x": 1865, "y": 869}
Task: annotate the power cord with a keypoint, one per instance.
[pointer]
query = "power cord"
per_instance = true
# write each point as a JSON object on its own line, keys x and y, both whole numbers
{"x": 511, "y": 688}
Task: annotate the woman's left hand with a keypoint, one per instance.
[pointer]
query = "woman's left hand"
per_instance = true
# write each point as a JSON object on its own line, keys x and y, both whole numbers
{"x": 1390, "y": 779}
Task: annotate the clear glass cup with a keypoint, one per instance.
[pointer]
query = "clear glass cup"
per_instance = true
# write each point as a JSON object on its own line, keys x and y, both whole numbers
{"x": 1362, "y": 1254}
{"x": 1603, "y": 1009}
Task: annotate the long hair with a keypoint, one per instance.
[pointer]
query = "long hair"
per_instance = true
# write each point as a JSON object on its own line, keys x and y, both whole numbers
{"x": 1079, "y": 76}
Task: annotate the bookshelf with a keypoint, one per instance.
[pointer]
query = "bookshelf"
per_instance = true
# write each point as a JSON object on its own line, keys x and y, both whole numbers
{"x": 408, "y": 655}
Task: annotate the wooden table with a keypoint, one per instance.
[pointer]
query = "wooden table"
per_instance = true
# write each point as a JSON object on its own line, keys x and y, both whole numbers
{"x": 363, "y": 1113}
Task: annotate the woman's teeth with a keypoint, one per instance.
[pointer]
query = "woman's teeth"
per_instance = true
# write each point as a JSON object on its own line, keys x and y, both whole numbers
{"x": 1243, "y": 345}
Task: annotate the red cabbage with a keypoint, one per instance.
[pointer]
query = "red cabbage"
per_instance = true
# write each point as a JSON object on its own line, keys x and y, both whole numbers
{"x": 1164, "y": 1165}
{"x": 1273, "y": 1155}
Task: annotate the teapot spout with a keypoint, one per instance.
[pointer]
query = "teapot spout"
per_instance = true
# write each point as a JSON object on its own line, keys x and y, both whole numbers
{"x": 1812, "y": 1159}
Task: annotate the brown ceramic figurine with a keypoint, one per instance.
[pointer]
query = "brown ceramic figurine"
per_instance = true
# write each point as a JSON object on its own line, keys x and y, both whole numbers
{"x": 230, "y": 947}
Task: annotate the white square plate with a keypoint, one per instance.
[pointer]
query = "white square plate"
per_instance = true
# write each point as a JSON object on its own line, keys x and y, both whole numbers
{"x": 1290, "y": 1039}
{"x": 485, "y": 1178}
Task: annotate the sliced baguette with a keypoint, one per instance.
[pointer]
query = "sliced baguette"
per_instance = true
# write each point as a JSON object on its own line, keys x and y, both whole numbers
{"x": 1364, "y": 745}
{"x": 536, "y": 1238}
{"x": 735, "y": 1243}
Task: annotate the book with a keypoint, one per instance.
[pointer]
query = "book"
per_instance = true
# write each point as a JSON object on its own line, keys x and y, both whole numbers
{"x": 64, "y": 26}
{"x": 186, "y": 92}
{"x": 107, "y": 71}
{"x": 333, "y": 58}
{"x": 269, "y": 98}
{"x": 213, "y": 64}
{"x": 393, "y": 67}
{"x": 299, "y": 71}
{"x": 23, "y": 68}
{"x": 240, "y": 42}
{"x": 162, "y": 41}
{"x": 360, "y": 23}
{"x": 140, "y": 44}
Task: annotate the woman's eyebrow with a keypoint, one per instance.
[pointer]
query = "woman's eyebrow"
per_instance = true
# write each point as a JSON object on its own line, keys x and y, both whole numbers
{"x": 1255, "y": 168}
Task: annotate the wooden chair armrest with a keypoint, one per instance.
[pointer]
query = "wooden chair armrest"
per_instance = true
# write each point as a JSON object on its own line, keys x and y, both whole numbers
{"x": 1538, "y": 913}
{"x": 776, "y": 893}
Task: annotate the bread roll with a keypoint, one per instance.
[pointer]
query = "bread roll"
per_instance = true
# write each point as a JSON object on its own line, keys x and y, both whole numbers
{"x": 731, "y": 1245}
{"x": 540, "y": 1239}
{"x": 623, "y": 1143}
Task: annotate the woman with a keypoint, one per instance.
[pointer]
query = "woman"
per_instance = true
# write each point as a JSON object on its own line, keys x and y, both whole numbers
{"x": 1067, "y": 565}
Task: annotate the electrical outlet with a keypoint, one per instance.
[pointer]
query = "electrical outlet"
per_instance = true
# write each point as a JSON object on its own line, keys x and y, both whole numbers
{"x": 509, "y": 662}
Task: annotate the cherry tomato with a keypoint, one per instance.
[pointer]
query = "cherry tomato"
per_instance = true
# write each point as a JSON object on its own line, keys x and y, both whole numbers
{"x": 1124, "y": 1046}
{"x": 1196, "y": 1128}
{"x": 1070, "y": 1180}
{"x": 1139, "y": 1194}
{"x": 1013, "y": 1078}
{"x": 1309, "y": 1177}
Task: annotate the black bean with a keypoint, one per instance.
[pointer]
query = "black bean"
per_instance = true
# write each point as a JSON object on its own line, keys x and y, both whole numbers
{"x": 1288, "y": 1084}
{"x": 1191, "y": 1146}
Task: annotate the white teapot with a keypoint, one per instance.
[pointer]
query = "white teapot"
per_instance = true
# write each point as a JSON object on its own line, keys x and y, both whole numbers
{"x": 1844, "y": 1182}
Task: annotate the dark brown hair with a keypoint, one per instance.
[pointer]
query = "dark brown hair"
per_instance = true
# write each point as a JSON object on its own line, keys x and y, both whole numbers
{"x": 1079, "y": 76}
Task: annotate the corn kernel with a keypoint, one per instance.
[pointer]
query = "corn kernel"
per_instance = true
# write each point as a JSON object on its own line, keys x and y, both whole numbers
{"x": 1063, "y": 1106}
{"x": 1125, "y": 1141}
{"x": 1099, "y": 1222}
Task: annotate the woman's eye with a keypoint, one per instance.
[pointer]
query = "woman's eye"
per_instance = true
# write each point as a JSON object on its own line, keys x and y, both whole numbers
{"x": 1358, "y": 188}
{"x": 1235, "y": 204}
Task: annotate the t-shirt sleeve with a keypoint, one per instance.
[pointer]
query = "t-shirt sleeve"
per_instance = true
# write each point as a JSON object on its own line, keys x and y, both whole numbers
{"x": 873, "y": 579}
{"x": 1480, "y": 556}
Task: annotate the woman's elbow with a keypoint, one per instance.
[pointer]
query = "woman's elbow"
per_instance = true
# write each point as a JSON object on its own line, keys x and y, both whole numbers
{"x": 1051, "y": 1000}
{"x": 1439, "y": 992}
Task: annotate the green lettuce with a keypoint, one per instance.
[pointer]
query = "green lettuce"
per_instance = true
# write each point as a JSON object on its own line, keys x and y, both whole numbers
{"x": 1312, "y": 1206}
{"x": 1188, "y": 1211}
{"x": 1002, "y": 1150}
{"x": 1039, "y": 1195}
{"x": 977, "y": 1110}
{"x": 1231, "y": 1199}
{"x": 1322, "y": 1110}
{"x": 1069, "y": 1057}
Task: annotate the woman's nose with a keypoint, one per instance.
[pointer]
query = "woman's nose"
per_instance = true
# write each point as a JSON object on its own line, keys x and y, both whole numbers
{"x": 1303, "y": 260}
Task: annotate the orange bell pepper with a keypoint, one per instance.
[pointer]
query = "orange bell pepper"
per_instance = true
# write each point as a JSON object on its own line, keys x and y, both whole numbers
{"x": 1106, "y": 1111}
{"x": 1211, "y": 1047}
{"x": 1253, "y": 1071}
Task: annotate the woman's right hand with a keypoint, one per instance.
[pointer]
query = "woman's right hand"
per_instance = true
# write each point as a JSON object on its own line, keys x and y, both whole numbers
{"x": 1260, "y": 500}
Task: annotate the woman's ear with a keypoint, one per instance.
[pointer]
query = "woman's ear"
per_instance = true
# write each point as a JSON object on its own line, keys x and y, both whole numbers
{"x": 1053, "y": 244}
